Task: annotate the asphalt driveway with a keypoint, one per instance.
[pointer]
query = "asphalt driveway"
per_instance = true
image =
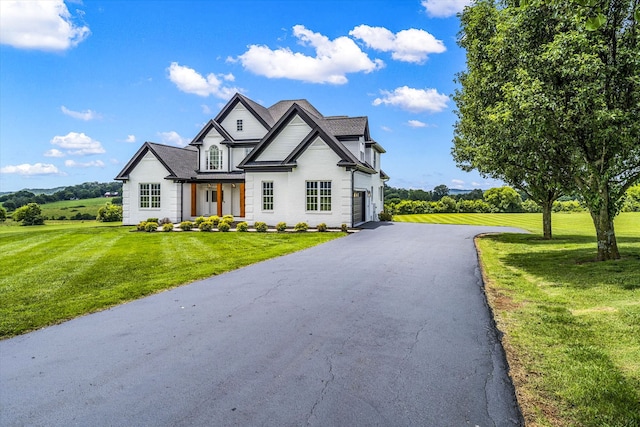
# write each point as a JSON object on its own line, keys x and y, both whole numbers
{"x": 386, "y": 327}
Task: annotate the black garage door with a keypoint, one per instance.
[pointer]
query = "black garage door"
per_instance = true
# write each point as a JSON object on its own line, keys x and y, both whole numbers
{"x": 358, "y": 207}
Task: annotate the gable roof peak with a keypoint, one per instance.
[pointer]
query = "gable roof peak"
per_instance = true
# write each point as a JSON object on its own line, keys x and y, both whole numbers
{"x": 261, "y": 113}
{"x": 278, "y": 109}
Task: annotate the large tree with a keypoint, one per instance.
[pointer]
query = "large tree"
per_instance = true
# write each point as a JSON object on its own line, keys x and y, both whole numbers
{"x": 500, "y": 131}
{"x": 553, "y": 102}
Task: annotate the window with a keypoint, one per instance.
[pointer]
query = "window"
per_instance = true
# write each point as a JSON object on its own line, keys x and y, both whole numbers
{"x": 239, "y": 125}
{"x": 375, "y": 160}
{"x": 319, "y": 196}
{"x": 214, "y": 158}
{"x": 267, "y": 195}
{"x": 150, "y": 196}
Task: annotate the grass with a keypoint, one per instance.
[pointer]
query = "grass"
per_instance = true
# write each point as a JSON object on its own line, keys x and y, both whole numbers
{"x": 55, "y": 272}
{"x": 571, "y": 326}
{"x": 69, "y": 208}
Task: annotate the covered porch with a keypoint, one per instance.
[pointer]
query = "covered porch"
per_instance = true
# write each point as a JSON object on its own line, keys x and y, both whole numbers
{"x": 217, "y": 198}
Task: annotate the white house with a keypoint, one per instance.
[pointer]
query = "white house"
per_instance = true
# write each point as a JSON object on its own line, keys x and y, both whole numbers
{"x": 286, "y": 163}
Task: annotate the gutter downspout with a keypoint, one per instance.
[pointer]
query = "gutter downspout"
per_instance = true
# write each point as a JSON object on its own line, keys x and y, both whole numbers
{"x": 353, "y": 171}
{"x": 181, "y": 201}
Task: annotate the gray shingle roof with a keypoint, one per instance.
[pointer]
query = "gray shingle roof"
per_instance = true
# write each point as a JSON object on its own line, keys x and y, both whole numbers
{"x": 260, "y": 110}
{"x": 278, "y": 109}
{"x": 181, "y": 163}
{"x": 347, "y": 126}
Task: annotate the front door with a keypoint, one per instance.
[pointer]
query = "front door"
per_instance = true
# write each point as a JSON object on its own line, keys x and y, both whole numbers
{"x": 210, "y": 205}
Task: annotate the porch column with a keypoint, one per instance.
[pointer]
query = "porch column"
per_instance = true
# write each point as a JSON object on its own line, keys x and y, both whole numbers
{"x": 242, "y": 199}
{"x": 219, "y": 198}
{"x": 194, "y": 196}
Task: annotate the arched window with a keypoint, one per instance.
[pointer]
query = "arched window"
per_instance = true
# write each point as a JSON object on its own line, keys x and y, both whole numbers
{"x": 214, "y": 158}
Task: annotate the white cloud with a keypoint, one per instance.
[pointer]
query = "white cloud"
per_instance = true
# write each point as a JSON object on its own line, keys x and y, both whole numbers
{"x": 43, "y": 25}
{"x": 386, "y": 128}
{"x": 444, "y": 8}
{"x": 173, "y": 138}
{"x": 416, "y": 124}
{"x": 414, "y": 100}
{"x": 81, "y": 115}
{"x": 410, "y": 45}
{"x": 90, "y": 164}
{"x": 190, "y": 81}
{"x": 54, "y": 153}
{"x": 332, "y": 61}
{"x": 78, "y": 144}
{"x": 457, "y": 182}
{"x": 130, "y": 139}
{"x": 205, "y": 109}
{"x": 28, "y": 170}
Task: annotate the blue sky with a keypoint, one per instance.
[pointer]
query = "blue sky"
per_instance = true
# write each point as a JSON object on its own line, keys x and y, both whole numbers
{"x": 84, "y": 83}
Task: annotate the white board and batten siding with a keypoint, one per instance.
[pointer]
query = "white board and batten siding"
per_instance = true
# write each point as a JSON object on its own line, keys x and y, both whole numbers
{"x": 150, "y": 171}
{"x": 317, "y": 163}
{"x": 251, "y": 126}
{"x": 286, "y": 141}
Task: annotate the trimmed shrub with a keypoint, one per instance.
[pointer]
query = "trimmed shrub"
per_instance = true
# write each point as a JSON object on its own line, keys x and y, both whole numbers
{"x": 141, "y": 225}
{"x": 385, "y": 216}
{"x": 446, "y": 205}
{"x": 206, "y": 225}
{"x": 215, "y": 219}
{"x": 167, "y": 226}
{"x": 224, "y": 226}
{"x": 150, "y": 226}
{"x": 301, "y": 227}
{"x": 260, "y": 226}
{"x": 281, "y": 226}
{"x": 228, "y": 218}
{"x": 165, "y": 220}
{"x": 152, "y": 219}
{"x": 473, "y": 206}
{"x": 322, "y": 227}
{"x": 109, "y": 213}
{"x": 344, "y": 228}
{"x": 186, "y": 225}
{"x": 242, "y": 226}
{"x": 199, "y": 220}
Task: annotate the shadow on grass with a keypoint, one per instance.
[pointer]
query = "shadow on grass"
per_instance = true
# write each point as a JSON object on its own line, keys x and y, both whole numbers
{"x": 575, "y": 350}
{"x": 570, "y": 260}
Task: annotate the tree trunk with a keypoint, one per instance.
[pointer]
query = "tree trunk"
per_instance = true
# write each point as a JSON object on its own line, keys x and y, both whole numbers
{"x": 546, "y": 220}
{"x": 607, "y": 245}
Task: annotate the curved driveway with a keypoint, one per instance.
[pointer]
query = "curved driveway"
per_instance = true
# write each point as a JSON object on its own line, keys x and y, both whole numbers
{"x": 386, "y": 327}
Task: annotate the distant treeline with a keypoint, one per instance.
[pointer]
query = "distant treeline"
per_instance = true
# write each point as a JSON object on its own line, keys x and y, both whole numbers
{"x": 88, "y": 190}
{"x": 395, "y": 195}
{"x": 401, "y": 201}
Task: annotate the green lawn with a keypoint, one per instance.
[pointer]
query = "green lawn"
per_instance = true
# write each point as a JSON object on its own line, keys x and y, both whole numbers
{"x": 571, "y": 325}
{"x": 56, "y": 272}
{"x": 70, "y": 208}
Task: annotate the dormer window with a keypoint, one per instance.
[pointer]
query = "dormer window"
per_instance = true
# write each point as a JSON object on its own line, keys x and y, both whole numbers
{"x": 214, "y": 158}
{"x": 239, "y": 125}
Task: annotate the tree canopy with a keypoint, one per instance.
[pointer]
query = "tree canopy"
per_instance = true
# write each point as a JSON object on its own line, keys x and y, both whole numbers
{"x": 550, "y": 104}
